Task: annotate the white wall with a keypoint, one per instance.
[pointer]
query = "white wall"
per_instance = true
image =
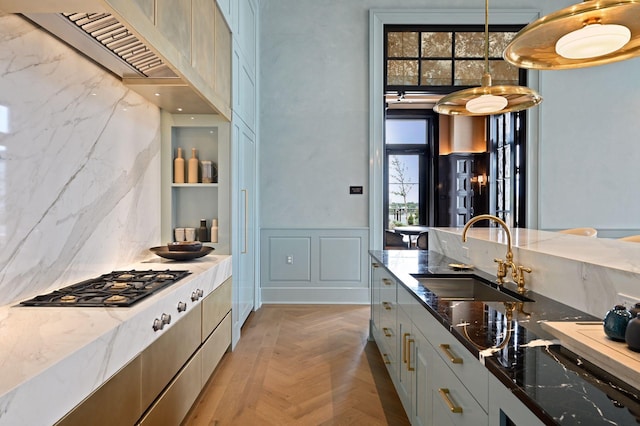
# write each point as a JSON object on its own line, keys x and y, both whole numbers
{"x": 79, "y": 166}
{"x": 314, "y": 121}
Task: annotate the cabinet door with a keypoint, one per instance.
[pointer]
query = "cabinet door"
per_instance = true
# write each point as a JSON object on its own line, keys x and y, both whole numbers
{"x": 405, "y": 365}
{"x": 244, "y": 249}
{"x": 450, "y": 398}
{"x": 421, "y": 356}
{"x": 506, "y": 409}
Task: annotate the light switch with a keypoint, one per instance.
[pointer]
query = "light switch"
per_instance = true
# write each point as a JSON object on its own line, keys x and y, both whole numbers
{"x": 289, "y": 260}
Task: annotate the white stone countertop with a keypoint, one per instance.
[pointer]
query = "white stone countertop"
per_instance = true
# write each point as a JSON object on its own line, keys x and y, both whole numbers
{"x": 51, "y": 358}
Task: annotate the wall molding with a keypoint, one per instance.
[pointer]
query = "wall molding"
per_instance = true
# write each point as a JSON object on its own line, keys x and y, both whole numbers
{"x": 314, "y": 265}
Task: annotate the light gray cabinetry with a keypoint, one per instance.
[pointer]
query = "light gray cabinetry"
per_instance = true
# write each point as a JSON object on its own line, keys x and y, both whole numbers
{"x": 506, "y": 409}
{"x": 384, "y": 309}
{"x": 242, "y": 16}
{"x": 437, "y": 378}
{"x": 450, "y": 398}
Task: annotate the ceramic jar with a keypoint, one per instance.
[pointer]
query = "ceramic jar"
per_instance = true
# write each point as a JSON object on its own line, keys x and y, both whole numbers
{"x": 615, "y": 323}
{"x": 632, "y": 335}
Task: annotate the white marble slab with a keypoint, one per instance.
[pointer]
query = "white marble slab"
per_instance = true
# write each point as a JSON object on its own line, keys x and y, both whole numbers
{"x": 79, "y": 166}
{"x": 583, "y": 272}
{"x": 52, "y": 358}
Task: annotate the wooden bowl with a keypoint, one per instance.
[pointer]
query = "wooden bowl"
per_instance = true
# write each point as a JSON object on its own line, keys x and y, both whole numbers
{"x": 185, "y": 246}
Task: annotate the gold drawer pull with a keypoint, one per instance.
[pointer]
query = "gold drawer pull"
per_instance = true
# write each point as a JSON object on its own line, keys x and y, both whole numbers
{"x": 385, "y": 357}
{"x": 404, "y": 347}
{"x": 375, "y": 265}
{"x": 387, "y": 281}
{"x": 387, "y": 332}
{"x": 409, "y": 367}
{"x": 444, "y": 393}
{"x": 387, "y": 305}
{"x": 447, "y": 351}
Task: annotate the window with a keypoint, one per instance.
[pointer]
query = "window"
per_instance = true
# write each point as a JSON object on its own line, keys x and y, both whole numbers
{"x": 408, "y": 137}
{"x": 445, "y": 57}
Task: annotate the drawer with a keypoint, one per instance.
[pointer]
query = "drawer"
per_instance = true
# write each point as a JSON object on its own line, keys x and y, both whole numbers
{"x": 215, "y": 307}
{"x": 452, "y": 400}
{"x": 164, "y": 358}
{"x": 462, "y": 363}
{"x": 117, "y": 402}
{"x": 175, "y": 402}
{"x": 388, "y": 288}
{"x": 214, "y": 348}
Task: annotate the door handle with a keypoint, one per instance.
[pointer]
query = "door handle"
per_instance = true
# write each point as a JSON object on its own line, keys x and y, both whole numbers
{"x": 246, "y": 220}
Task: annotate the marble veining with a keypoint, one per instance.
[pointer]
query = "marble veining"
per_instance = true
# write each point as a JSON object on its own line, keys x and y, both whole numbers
{"x": 54, "y": 357}
{"x": 79, "y": 166}
{"x": 556, "y": 384}
{"x": 582, "y": 272}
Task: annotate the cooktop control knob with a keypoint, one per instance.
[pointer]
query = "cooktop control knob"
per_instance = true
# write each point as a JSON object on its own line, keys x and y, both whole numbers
{"x": 194, "y": 296}
{"x": 157, "y": 324}
{"x": 166, "y": 318}
{"x": 182, "y": 306}
{"x": 200, "y": 293}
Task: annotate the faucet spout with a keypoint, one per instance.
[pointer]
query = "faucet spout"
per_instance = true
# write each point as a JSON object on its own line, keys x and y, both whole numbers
{"x": 495, "y": 219}
{"x": 517, "y": 272}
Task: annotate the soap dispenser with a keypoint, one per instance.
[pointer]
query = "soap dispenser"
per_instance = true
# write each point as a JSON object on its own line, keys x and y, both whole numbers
{"x": 615, "y": 323}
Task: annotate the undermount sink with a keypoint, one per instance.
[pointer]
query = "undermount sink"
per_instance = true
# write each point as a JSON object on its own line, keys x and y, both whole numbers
{"x": 467, "y": 289}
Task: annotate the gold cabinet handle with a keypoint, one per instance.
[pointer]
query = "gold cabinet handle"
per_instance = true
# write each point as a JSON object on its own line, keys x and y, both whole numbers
{"x": 386, "y": 281}
{"x": 409, "y": 342}
{"x": 387, "y": 305}
{"x": 375, "y": 265}
{"x": 246, "y": 221}
{"x": 385, "y": 357}
{"x": 445, "y": 394}
{"x": 387, "y": 332}
{"x": 447, "y": 351}
{"x": 404, "y": 347}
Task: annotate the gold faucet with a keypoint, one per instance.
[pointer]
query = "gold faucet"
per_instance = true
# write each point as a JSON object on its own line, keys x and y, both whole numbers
{"x": 517, "y": 272}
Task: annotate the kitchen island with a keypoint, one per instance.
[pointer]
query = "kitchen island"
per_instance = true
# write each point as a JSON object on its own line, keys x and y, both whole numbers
{"x": 52, "y": 358}
{"x": 553, "y": 384}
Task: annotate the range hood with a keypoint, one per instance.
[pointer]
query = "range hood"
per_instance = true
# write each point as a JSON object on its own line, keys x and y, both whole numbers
{"x": 111, "y": 44}
{"x": 107, "y": 41}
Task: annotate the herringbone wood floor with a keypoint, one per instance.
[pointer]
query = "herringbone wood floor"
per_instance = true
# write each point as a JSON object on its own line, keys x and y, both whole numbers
{"x": 301, "y": 365}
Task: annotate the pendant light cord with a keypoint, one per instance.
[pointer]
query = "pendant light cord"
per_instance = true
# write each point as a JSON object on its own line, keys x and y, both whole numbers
{"x": 486, "y": 36}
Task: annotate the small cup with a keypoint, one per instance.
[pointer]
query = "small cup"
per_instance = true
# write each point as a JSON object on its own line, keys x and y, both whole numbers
{"x": 179, "y": 234}
{"x": 190, "y": 234}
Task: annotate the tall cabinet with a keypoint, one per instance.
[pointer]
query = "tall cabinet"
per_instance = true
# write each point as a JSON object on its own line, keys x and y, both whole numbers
{"x": 242, "y": 17}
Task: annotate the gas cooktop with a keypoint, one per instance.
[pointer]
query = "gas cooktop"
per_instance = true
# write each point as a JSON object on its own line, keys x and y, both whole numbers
{"x": 117, "y": 288}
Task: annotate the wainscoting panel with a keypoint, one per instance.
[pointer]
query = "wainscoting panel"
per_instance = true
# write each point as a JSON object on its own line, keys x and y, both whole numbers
{"x": 314, "y": 265}
{"x": 290, "y": 259}
{"x": 337, "y": 259}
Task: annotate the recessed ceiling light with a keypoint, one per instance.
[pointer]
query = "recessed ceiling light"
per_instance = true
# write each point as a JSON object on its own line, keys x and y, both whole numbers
{"x": 157, "y": 94}
{"x": 179, "y": 109}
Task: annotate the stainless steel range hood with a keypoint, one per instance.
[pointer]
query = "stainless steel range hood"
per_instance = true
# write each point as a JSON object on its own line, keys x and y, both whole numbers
{"x": 110, "y": 43}
{"x": 101, "y": 37}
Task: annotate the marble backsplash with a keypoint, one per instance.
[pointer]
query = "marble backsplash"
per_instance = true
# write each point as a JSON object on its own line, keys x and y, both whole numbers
{"x": 79, "y": 166}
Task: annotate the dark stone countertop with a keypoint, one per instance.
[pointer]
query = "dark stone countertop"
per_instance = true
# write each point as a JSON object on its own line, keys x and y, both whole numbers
{"x": 556, "y": 384}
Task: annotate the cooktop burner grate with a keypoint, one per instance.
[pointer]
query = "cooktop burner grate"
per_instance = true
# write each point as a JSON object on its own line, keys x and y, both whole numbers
{"x": 118, "y": 288}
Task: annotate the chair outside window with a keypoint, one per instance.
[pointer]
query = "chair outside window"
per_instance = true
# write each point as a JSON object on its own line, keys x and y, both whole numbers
{"x": 422, "y": 242}
{"x": 394, "y": 241}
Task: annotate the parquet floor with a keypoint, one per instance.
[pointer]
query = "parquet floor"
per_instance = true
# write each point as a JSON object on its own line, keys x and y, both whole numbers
{"x": 301, "y": 365}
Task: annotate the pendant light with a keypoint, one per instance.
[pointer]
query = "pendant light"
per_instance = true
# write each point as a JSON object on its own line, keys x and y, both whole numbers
{"x": 594, "y": 32}
{"x": 487, "y": 99}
